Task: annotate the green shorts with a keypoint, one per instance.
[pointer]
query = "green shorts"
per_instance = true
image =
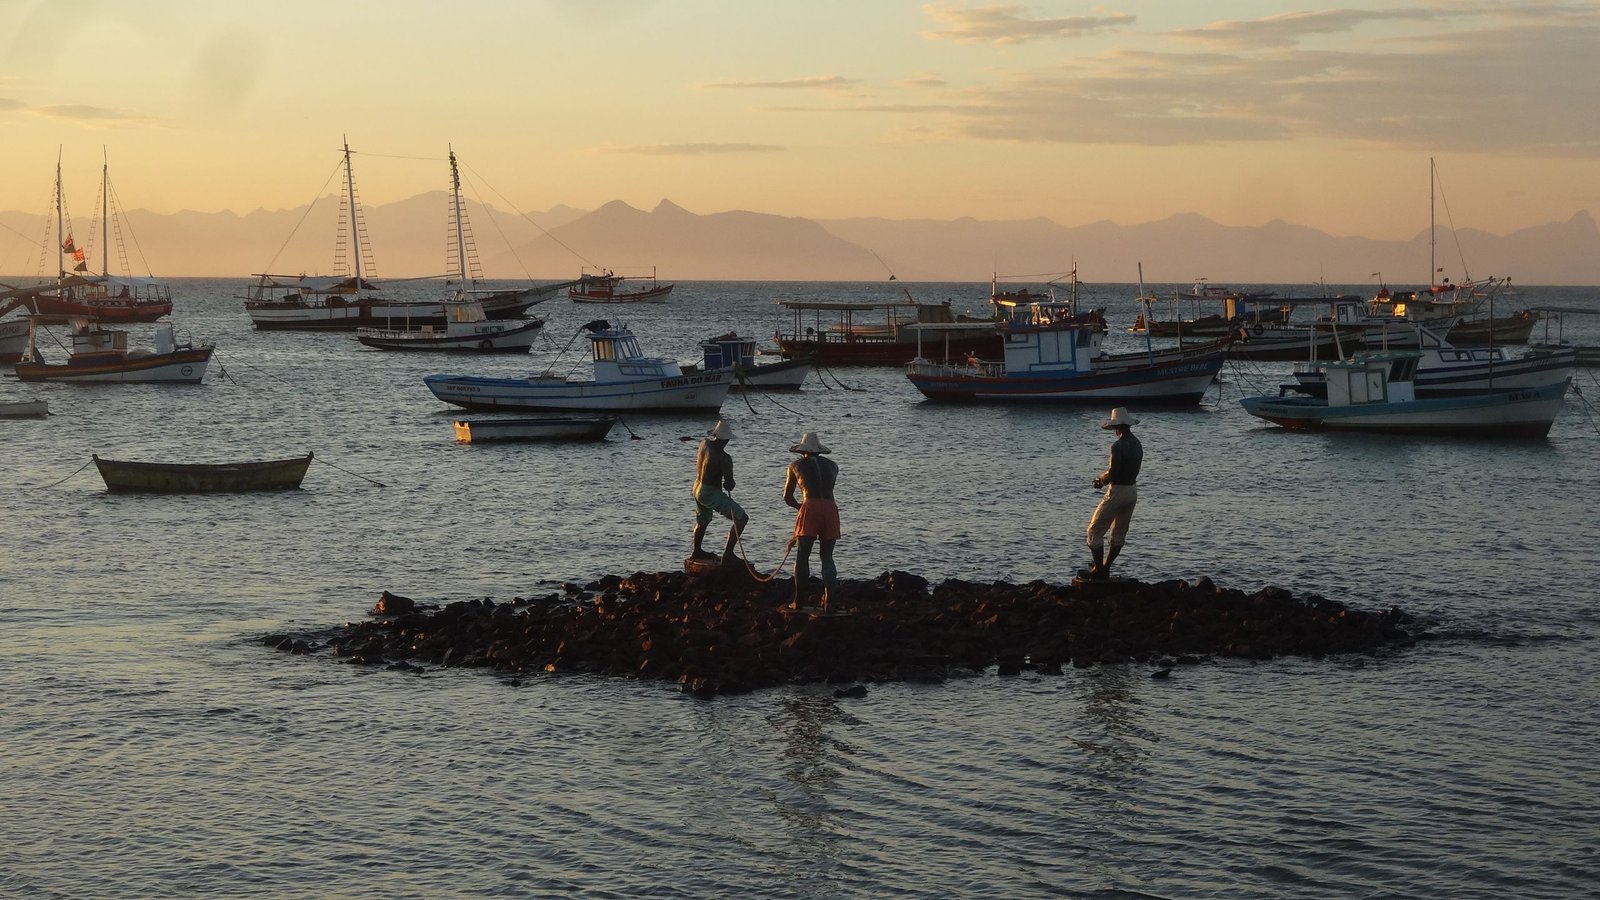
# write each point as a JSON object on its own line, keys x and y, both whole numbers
{"x": 710, "y": 501}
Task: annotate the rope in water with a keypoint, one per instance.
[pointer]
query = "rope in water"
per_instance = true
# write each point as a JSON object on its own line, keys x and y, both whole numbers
{"x": 79, "y": 469}
{"x": 348, "y": 472}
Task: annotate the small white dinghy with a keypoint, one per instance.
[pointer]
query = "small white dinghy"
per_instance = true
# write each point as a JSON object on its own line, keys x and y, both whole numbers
{"x": 535, "y": 428}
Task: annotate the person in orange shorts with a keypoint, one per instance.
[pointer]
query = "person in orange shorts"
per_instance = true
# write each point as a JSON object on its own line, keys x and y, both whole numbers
{"x": 818, "y": 516}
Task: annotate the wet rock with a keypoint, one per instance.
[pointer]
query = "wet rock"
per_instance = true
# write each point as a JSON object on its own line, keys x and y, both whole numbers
{"x": 853, "y": 692}
{"x": 728, "y": 633}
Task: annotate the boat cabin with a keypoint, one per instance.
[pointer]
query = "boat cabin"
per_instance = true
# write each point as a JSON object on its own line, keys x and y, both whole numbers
{"x": 1387, "y": 377}
{"x": 617, "y": 356}
{"x": 727, "y": 351}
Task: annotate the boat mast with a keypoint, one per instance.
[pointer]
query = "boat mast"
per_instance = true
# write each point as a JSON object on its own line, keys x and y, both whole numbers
{"x": 355, "y": 230}
{"x": 461, "y": 234}
{"x": 1432, "y": 232}
{"x": 105, "y": 207}
{"x": 61, "y": 245}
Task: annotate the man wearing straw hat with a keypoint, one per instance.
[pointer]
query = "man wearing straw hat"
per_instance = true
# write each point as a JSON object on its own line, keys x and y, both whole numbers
{"x": 1116, "y": 506}
{"x": 818, "y": 516}
{"x": 712, "y": 480}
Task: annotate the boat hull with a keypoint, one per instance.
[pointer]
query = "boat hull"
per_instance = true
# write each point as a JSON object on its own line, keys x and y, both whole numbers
{"x": 1177, "y": 383}
{"x": 701, "y": 392}
{"x": 856, "y": 350}
{"x": 1523, "y": 413}
{"x": 648, "y": 295}
{"x": 13, "y": 341}
{"x": 498, "y": 338}
{"x": 787, "y": 375}
{"x": 110, "y": 311}
{"x": 24, "y": 409}
{"x": 190, "y": 478}
{"x": 540, "y": 428}
{"x": 178, "y": 367}
{"x": 1473, "y": 377}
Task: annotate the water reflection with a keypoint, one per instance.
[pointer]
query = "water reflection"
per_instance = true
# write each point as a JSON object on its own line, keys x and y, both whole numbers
{"x": 814, "y": 758}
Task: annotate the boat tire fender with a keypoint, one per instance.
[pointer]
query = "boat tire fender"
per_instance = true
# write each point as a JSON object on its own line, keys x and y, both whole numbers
{"x": 486, "y": 344}
{"x": 1259, "y": 329}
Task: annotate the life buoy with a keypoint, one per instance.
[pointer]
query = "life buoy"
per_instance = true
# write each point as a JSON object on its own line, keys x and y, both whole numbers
{"x": 486, "y": 344}
{"x": 1259, "y": 330}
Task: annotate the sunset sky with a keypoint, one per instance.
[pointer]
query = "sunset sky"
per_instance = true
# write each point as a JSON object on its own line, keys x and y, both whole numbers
{"x": 1244, "y": 111}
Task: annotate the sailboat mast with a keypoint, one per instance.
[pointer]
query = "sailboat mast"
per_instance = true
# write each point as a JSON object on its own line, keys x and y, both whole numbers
{"x": 61, "y": 238}
{"x": 461, "y": 236}
{"x": 1432, "y": 231}
{"x": 355, "y": 230}
{"x": 105, "y": 209}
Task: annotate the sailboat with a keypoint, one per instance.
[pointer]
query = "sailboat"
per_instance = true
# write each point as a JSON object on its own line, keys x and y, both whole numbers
{"x": 349, "y": 301}
{"x": 467, "y": 324}
{"x": 99, "y": 298}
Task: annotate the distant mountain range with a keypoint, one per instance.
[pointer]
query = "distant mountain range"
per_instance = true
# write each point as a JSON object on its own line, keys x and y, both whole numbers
{"x": 408, "y": 239}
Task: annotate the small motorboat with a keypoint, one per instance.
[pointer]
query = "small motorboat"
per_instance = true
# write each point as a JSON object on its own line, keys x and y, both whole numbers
{"x": 198, "y": 478}
{"x": 101, "y": 355}
{"x": 534, "y": 428}
{"x": 732, "y": 353}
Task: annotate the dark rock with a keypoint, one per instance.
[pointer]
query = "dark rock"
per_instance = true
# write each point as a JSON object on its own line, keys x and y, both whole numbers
{"x": 393, "y": 605}
{"x": 855, "y": 691}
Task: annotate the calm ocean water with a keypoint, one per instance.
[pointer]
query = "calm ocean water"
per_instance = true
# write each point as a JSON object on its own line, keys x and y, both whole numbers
{"x": 153, "y": 747}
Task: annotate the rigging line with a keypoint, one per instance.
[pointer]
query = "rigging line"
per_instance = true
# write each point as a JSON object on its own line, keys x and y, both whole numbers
{"x": 1455, "y": 236}
{"x": 348, "y": 472}
{"x": 80, "y": 469}
{"x": 266, "y": 373}
{"x": 821, "y": 368}
{"x": 495, "y": 221}
{"x": 774, "y": 401}
{"x": 393, "y": 156}
{"x": 118, "y": 207}
{"x": 586, "y": 260}
{"x": 309, "y": 207}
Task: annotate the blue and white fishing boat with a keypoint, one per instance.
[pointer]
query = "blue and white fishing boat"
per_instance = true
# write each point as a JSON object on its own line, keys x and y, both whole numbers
{"x": 1377, "y": 392}
{"x": 624, "y": 379}
{"x": 732, "y": 353}
{"x": 1054, "y": 355}
{"x": 1447, "y": 370}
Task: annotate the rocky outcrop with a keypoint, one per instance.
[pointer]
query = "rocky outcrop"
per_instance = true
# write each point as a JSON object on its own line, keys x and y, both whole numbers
{"x": 730, "y": 634}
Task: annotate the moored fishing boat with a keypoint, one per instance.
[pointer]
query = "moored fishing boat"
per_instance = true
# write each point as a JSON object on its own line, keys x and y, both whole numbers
{"x": 1446, "y": 370}
{"x": 534, "y": 428}
{"x": 466, "y": 330}
{"x": 196, "y": 478}
{"x": 845, "y": 333}
{"x": 1376, "y": 392}
{"x": 730, "y": 352}
{"x": 605, "y": 287}
{"x": 624, "y": 379}
{"x": 1054, "y": 355}
{"x": 101, "y": 355}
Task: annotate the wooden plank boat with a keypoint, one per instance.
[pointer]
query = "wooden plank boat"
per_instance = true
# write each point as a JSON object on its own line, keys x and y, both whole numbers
{"x": 534, "y": 428}
{"x": 24, "y": 409}
{"x": 190, "y": 478}
{"x": 101, "y": 355}
{"x": 603, "y": 288}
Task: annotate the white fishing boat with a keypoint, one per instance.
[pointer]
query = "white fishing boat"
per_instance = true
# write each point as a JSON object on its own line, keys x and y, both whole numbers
{"x": 102, "y": 355}
{"x": 1377, "y": 392}
{"x": 623, "y": 379}
{"x": 1052, "y": 354}
{"x": 466, "y": 330}
{"x": 534, "y": 428}
{"x": 13, "y": 340}
{"x": 1446, "y": 370}
{"x": 730, "y": 352}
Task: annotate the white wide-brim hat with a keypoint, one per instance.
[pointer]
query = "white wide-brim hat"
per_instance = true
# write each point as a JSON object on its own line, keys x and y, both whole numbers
{"x": 1119, "y": 416}
{"x": 809, "y": 444}
{"x": 721, "y": 431}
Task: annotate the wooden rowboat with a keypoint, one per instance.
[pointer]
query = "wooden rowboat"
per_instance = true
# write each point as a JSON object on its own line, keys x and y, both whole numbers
{"x": 536, "y": 428}
{"x": 190, "y": 478}
{"x": 24, "y": 409}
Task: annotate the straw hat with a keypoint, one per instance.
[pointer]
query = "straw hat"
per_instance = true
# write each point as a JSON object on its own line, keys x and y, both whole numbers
{"x": 722, "y": 431}
{"x": 1119, "y": 418}
{"x": 809, "y": 444}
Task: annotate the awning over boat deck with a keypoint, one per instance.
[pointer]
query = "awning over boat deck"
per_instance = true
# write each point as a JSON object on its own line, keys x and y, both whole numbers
{"x": 843, "y": 305}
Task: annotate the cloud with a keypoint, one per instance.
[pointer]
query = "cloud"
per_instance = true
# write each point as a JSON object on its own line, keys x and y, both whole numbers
{"x": 7, "y": 103}
{"x": 1493, "y": 84}
{"x": 83, "y": 113}
{"x": 1290, "y": 27}
{"x": 921, "y": 80}
{"x": 822, "y": 82}
{"x": 696, "y": 149}
{"x": 1008, "y": 23}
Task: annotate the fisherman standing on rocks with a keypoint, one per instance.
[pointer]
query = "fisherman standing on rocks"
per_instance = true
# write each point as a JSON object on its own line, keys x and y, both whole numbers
{"x": 713, "y": 478}
{"x": 1116, "y": 506}
{"x": 818, "y": 516}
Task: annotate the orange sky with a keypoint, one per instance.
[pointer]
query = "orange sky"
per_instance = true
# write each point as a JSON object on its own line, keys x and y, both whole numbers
{"x": 1072, "y": 111}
